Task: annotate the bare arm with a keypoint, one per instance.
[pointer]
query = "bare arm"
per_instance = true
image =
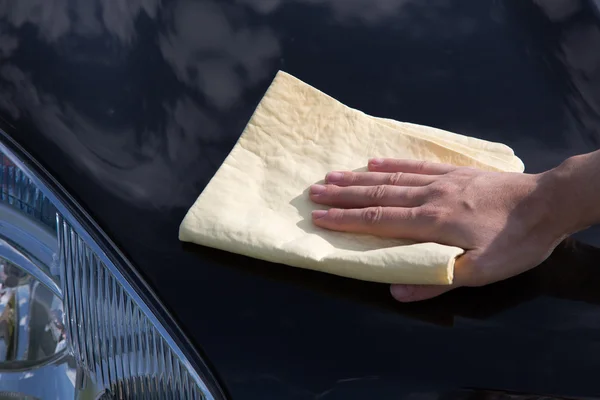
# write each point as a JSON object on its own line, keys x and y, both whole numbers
{"x": 507, "y": 222}
{"x": 577, "y": 187}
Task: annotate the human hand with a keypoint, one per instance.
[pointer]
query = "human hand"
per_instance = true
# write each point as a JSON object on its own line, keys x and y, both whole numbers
{"x": 508, "y": 223}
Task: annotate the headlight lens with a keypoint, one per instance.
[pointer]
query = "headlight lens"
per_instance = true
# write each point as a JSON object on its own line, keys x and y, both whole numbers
{"x": 71, "y": 324}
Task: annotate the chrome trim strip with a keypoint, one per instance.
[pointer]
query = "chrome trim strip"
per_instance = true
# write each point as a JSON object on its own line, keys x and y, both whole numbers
{"x": 22, "y": 297}
{"x": 13, "y": 255}
{"x": 24, "y": 232}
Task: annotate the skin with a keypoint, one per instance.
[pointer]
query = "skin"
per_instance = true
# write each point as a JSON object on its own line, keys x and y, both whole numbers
{"x": 508, "y": 223}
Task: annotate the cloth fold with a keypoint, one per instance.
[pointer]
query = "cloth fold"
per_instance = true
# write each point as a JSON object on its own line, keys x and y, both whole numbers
{"x": 257, "y": 203}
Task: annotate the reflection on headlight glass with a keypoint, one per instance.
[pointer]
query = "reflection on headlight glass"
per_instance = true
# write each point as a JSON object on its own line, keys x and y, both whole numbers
{"x": 31, "y": 319}
{"x": 18, "y": 191}
{"x": 71, "y": 327}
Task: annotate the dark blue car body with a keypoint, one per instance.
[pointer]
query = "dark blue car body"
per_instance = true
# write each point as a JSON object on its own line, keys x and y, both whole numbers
{"x": 132, "y": 105}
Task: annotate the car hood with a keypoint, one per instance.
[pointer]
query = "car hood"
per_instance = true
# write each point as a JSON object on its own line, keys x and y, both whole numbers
{"x": 133, "y": 105}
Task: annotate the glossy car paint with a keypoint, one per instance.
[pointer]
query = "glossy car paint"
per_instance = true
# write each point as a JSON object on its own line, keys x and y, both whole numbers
{"x": 133, "y": 104}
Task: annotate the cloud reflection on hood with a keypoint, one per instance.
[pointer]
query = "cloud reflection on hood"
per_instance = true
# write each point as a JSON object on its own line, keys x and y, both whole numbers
{"x": 137, "y": 156}
{"x": 215, "y": 65}
{"x": 223, "y": 60}
{"x": 367, "y": 10}
{"x": 155, "y": 171}
{"x": 57, "y": 18}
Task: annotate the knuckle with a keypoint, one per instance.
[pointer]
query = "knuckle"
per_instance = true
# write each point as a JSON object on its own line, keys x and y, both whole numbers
{"x": 422, "y": 166}
{"x": 431, "y": 214}
{"x": 414, "y": 195}
{"x": 331, "y": 190}
{"x": 441, "y": 189}
{"x": 395, "y": 179}
{"x": 349, "y": 178}
{"x": 336, "y": 215}
{"x": 372, "y": 215}
{"x": 377, "y": 192}
{"x": 464, "y": 171}
{"x": 354, "y": 178}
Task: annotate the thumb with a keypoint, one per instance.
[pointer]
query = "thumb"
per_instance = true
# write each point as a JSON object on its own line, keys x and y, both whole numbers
{"x": 462, "y": 272}
{"x": 410, "y": 293}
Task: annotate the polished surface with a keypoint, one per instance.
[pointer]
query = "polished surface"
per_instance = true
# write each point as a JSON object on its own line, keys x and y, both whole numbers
{"x": 133, "y": 105}
{"x": 95, "y": 324}
{"x": 113, "y": 338}
{"x": 114, "y": 328}
{"x": 31, "y": 328}
{"x": 34, "y": 357}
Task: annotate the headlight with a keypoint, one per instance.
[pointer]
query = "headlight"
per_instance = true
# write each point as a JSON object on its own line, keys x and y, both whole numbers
{"x": 72, "y": 326}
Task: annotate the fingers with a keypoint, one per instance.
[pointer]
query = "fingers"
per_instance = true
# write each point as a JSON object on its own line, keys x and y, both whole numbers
{"x": 396, "y": 222}
{"x": 410, "y": 166}
{"x": 343, "y": 178}
{"x": 366, "y": 196}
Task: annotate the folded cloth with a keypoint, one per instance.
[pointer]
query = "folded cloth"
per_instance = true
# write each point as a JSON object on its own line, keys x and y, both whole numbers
{"x": 257, "y": 203}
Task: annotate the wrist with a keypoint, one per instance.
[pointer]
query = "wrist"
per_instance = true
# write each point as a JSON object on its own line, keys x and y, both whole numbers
{"x": 574, "y": 192}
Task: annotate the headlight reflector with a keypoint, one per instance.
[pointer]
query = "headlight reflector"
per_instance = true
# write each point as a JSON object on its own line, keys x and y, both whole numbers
{"x": 109, "y": 343}
{"x": 111, "y": 337}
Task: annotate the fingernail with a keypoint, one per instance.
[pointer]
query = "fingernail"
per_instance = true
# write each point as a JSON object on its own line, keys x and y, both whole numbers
{"x": 334, "y": 177}
{"x": 400, "y": 291}
{"x": 376, "y": 162}
{"x": 319, "y": 214}
{"x": 317, "y": 189}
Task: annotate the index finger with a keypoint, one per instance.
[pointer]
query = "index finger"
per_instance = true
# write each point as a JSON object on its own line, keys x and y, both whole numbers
{"x": 392, "y": 222}
{"x": 410, "y": 166}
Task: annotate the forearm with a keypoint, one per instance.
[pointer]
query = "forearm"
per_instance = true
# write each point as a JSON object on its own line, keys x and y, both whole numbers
{"x": 576, "y": 187}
